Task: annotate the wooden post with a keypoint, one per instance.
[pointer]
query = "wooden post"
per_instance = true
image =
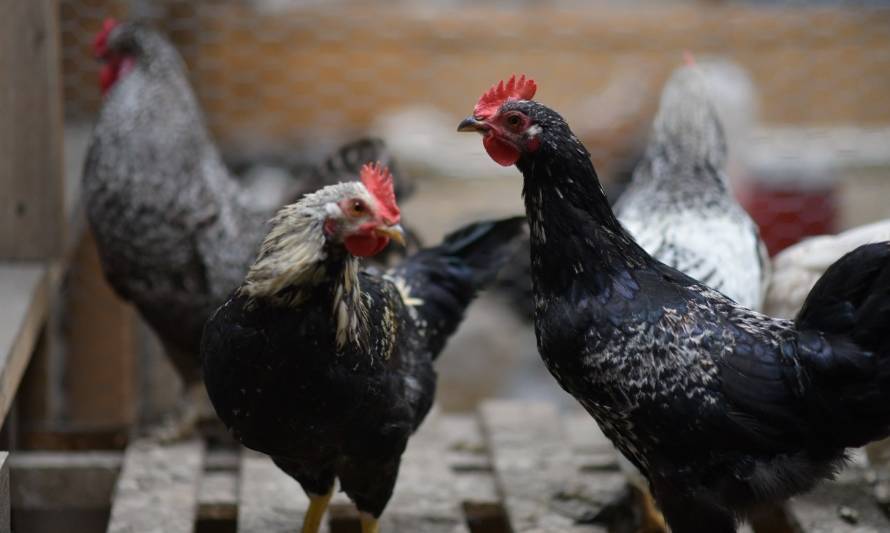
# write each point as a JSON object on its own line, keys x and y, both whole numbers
{"x": 31, "y": 193}
{"x": 100, "y": 375}
{"x": 24, "y": 292}
{"x": 5, "y": 526}
{"x": 32, "y": 215}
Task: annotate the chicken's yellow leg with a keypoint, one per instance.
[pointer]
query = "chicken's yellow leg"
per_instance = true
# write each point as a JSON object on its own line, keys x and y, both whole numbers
{"x": 317, "y": 506}
{"x": 651, "y": 521}
{"x": 369, "y": 523}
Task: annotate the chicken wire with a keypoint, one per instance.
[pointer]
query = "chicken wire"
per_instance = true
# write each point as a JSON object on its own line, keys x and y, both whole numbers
{"x": 802, "y": 85}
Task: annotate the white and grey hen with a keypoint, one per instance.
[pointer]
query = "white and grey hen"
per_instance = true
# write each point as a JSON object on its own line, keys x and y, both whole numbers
{"x": 679, "y": 206}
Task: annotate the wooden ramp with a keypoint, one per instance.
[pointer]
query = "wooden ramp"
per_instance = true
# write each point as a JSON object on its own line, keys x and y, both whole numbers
{"x": 512, "y": 468}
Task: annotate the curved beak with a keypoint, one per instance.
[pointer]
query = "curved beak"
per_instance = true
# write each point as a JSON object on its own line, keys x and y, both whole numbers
{"x": 472, "y": 124}
{"x": 396, "y": 233}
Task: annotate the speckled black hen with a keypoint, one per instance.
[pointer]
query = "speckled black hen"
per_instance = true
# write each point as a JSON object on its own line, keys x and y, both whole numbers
{"x": 176, "y": 232}
{"x": 329, "y": 369}
{"x": 720, "y": 407}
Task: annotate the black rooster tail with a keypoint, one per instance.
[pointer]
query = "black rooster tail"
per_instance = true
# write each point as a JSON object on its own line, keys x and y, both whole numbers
{"x": 443, "y": 280}
{"x": 850, "y": 307}
{"x": 853, "y": 298}
{"x": 347, "y": 161}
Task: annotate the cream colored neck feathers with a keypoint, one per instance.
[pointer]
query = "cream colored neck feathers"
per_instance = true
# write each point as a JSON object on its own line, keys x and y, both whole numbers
{"x": 292, "y": 261}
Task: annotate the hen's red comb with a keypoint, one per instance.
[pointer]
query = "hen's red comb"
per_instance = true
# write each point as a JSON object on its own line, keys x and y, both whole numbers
{"x": 100, "y": 43}
{"x": 378, "y": 181}
{"x": 688, "y": 58}
{"x": 494, "y": 98}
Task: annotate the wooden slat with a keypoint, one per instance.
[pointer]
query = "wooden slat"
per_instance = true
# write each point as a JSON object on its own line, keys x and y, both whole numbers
{"x": 473, "y": 477}
{"x": 24, "y": 293}
{"x": 31, "y": 189}
{"x": 47, "y": 481}
{"x": 846, "y": 505}
{"x": 600, "y": 481}
{"x": 594, "y": 450}
{"x": 158, "y": 488}
{"x": 218, "y": 496}
{"x": 268, "y": 500}
{"x": 533, "y": 466}
{"x": 468, "y": 459}
{"x": 428, "y": 494}
{"x": 5, "y": 501}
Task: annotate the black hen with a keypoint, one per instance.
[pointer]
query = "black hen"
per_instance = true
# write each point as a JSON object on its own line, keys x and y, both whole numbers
{"x": 720, "y": 407}
{"x": 329, "y": 370}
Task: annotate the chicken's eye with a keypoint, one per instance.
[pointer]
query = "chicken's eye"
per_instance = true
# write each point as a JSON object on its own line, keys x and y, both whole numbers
{"x": 356, "y": 208}
{"x": 513, "y": 120}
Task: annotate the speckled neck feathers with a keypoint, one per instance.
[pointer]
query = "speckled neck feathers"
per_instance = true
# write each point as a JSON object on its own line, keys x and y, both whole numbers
{"x": 574, "y": 233}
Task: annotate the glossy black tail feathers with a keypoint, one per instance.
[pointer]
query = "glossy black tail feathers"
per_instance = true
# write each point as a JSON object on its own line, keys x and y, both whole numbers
{"x": 443, "y": 280}
{"x": 844, "y": 340}
{"x": 346, "y": 162}
{"x": 485, "y": 247}
{"x": 853, "y": 298}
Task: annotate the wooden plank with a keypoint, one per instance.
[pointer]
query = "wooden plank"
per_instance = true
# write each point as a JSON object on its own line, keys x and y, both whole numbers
{"x": 218, "y": 496}
{"x": 534, "y": 468}
{"x": 428, "y": 494}
{"x": 5, "y": 500}
{"x": 47, "y": 481}
{"x": 158, "y": 488}
{"x": 24, "y": 291}
{"x": 269, "y": 500}
{"x": 846, "y": 505}
{"x": 594, "y": 450}
{"x": 473, "y": 478}
{"x": 468, "y": 459}
{"x": 31, "y": 189}
{"x": 600, "y": 480}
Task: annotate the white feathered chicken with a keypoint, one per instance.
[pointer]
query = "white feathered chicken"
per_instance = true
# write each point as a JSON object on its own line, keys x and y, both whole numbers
{"x": 796, "y": 268}
{"x": 679, "y": 206}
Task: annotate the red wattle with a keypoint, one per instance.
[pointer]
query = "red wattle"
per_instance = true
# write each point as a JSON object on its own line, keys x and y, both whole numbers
{"x": 114, "y": 68}
{"x": 365, "y": 245}
{"x": 107, "y": 76}
{"x": 502, "y": 152}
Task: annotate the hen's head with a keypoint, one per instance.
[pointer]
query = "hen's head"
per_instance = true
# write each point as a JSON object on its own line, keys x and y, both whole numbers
{"x": 687, "y": 126}
{"x": 511, "y": 123}
{"x": 110, "y": 47}
{"x": 121, "y": 45}
{"x": 362, "y": 216}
